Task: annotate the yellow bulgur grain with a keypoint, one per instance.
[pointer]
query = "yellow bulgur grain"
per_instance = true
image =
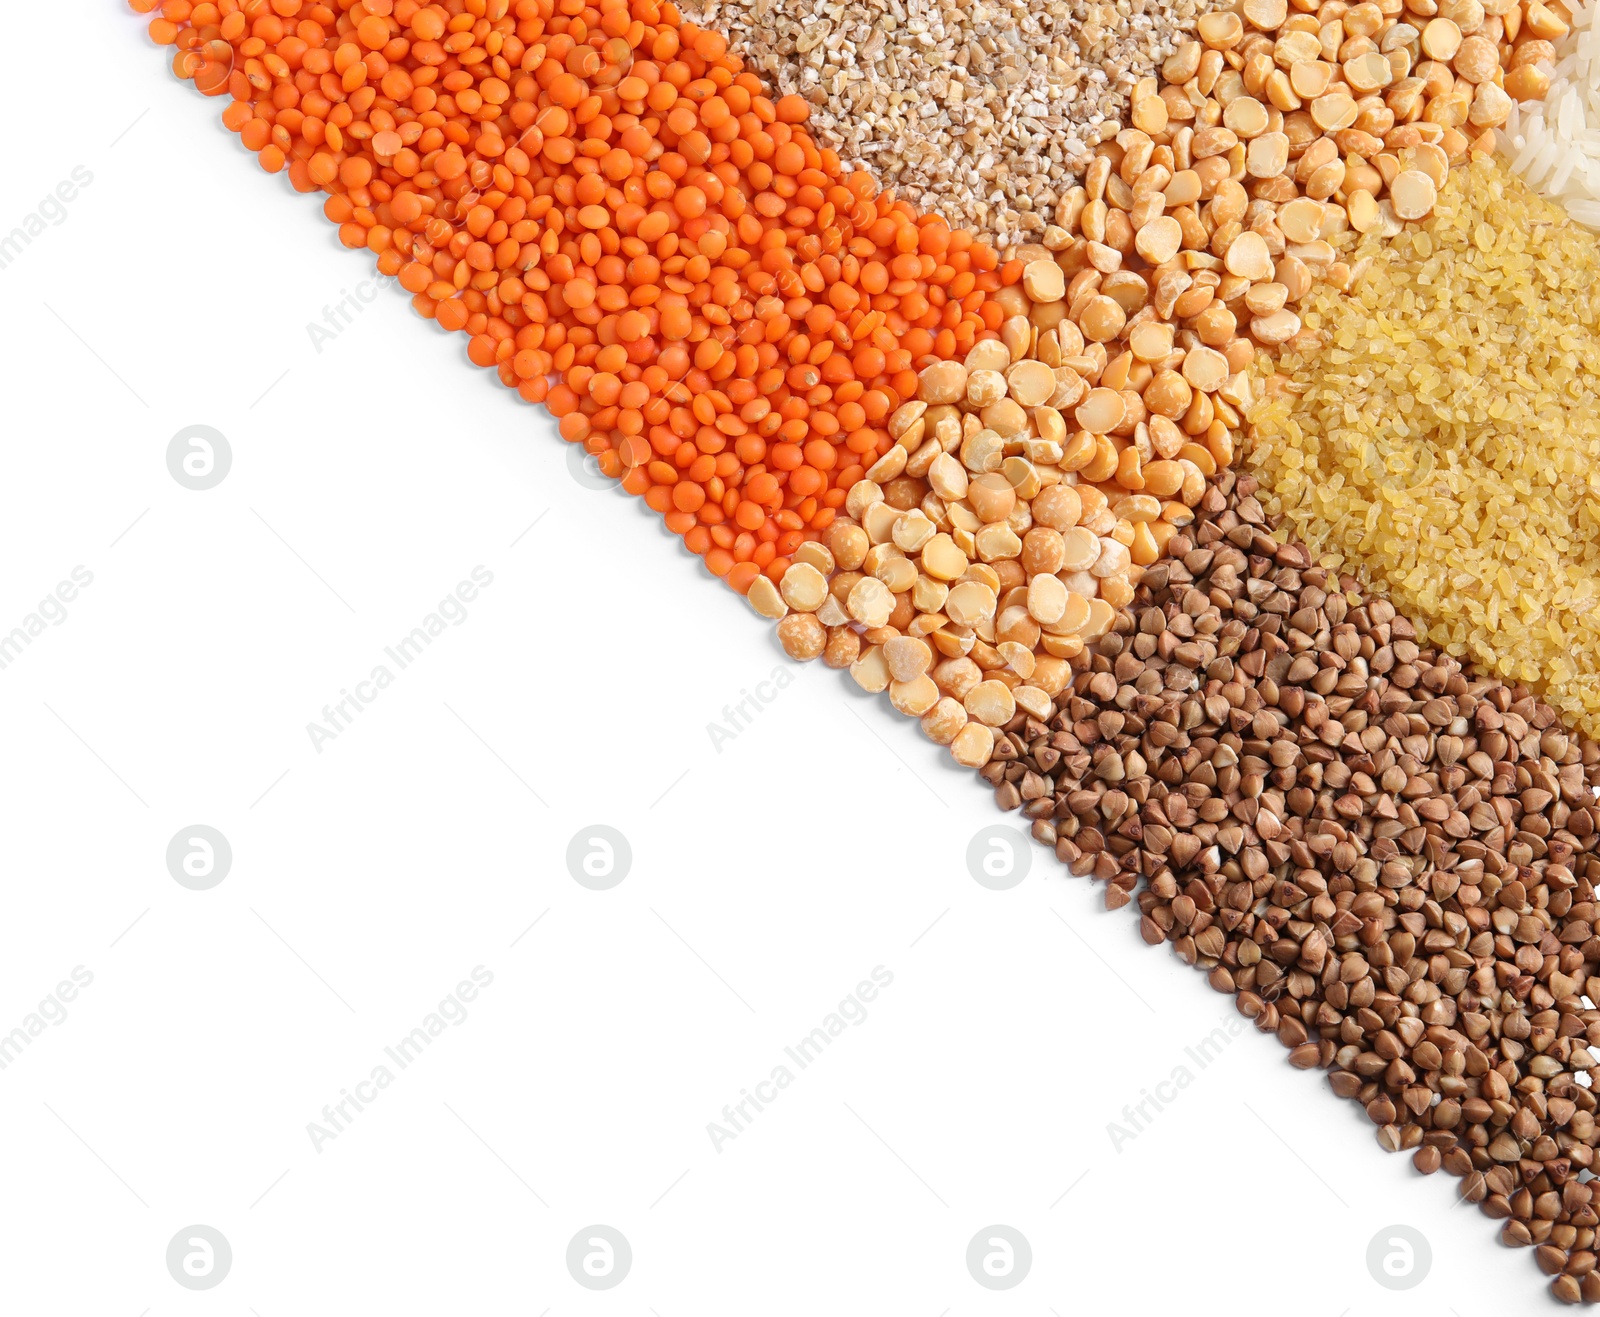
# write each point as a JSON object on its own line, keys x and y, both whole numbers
{"x": 1439, "y": 435}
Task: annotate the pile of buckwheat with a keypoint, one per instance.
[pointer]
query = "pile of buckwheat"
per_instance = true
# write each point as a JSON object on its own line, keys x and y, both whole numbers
{"x": 1389, "y": 862}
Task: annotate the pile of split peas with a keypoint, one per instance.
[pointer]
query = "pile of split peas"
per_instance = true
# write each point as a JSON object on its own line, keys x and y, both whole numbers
{"x": 627, "y": 229}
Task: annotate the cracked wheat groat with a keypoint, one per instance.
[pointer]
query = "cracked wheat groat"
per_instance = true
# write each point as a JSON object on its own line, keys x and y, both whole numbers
{"x": 987, "y": 112}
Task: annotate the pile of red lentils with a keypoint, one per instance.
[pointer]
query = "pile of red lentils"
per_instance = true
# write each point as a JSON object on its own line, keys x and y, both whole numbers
{"x": 627, "y": 229}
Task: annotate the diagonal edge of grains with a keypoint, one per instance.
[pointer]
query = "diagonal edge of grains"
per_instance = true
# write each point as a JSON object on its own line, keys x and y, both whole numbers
{"x": 1389, "y": 863}
{"x": 1254, "y": 226}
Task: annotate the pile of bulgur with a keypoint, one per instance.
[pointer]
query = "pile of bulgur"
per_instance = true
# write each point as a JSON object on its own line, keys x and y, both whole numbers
{"x": 1439, "y": 436}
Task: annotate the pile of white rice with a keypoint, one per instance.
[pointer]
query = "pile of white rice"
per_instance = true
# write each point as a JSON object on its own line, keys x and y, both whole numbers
{"x": 1554, "y": 144}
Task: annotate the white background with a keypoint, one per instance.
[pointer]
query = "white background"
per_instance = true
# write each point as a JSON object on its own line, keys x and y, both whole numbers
{"x": 767, "y": 880}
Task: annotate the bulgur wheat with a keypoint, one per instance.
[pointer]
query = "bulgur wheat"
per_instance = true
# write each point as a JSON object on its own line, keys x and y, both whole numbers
{"x": 1443, "y": 441}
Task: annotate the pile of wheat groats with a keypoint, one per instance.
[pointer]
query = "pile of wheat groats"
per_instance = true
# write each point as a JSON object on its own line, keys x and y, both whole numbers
{"x": 986, "y": 112}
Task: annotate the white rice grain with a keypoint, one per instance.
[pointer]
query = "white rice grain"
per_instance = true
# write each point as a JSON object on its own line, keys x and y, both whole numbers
{"x": 1555, "y": 144}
